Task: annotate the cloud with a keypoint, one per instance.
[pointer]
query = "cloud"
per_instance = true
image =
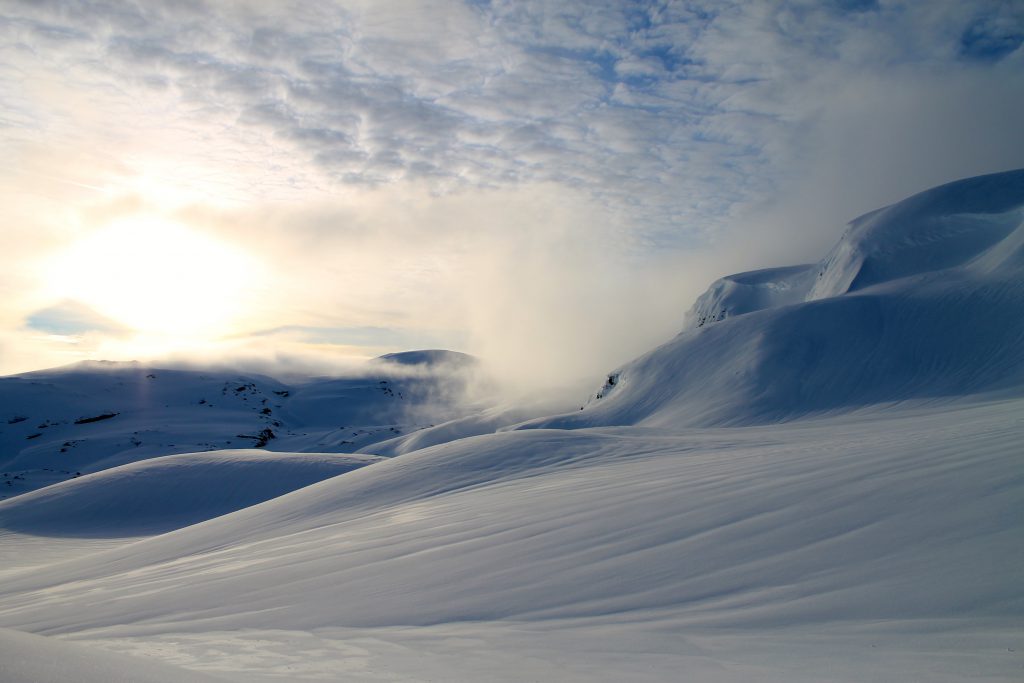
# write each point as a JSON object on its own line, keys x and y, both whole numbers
{"x": 680, "y": 112}
{"x": 549, "y": 183}
{"x": 356, "y": 336}
{"x": 73, "y": 318}
{"x": 993, "y": 36}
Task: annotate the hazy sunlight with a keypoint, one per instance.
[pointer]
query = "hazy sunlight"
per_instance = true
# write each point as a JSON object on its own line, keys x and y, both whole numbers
{"x": 157, "y": 277}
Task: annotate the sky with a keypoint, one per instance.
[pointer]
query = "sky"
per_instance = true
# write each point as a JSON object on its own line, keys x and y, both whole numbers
{"x": 547, "y": 185}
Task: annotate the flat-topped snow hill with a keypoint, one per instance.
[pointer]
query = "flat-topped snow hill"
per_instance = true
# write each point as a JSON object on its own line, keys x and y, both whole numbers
{"x": 819, "y": 482}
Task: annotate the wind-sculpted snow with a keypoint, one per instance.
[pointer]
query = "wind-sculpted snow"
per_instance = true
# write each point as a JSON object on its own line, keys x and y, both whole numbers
{"x": 942, "y": 228}
{"x": 748, "y": 292}
{"x": 761, "y": 526}
{"x": 938, "y": 229}
{"x": 162, "y": 494}
{"x": 921, "y": 300}
{"x": 845, "y": 523}
{"x": 486, "y": 422}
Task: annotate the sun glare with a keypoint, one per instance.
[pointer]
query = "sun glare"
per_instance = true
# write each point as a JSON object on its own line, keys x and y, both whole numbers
{"x": 161, "y": 279}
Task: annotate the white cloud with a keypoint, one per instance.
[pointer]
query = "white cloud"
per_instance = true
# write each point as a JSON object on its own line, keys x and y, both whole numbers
{"x": 418, "y": 139}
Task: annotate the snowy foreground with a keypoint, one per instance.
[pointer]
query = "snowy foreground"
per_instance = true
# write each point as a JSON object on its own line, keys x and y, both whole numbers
{"x": 884, "y": 546}
{"x": 819, "y": 480}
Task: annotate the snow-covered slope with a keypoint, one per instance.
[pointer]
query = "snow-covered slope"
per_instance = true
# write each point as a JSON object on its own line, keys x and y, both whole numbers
{"x": 849, "y": 531}
{"x": 27, "y": 658}
{"x": 743, "y": 293}
{"x": 943, "y": 228}
{"x": 484, "y": 422}
{"x": 920, "y": 300}
{"x": 62, "y": 423}
{"x": 90, "y": 416}
{"x": 161, "y": 494}
{"x": 728, "y": 527}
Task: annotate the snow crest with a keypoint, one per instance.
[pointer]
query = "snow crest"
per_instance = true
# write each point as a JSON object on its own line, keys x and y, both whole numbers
{"x": 921, "y": 300}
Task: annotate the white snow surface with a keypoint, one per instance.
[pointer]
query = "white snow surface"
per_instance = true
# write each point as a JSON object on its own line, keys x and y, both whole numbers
{"x": 162, "y": 494}
{"x": 822, "y": 484}
{"x": 27, "y": 658}
{"x": 611, "y": 553}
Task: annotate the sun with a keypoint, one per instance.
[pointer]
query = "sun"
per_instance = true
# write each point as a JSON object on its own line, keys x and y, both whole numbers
{"x": 161, "y": 279}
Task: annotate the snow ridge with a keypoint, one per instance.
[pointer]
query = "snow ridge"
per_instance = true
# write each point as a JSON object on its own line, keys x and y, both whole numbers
{"x": 921, "y": 300}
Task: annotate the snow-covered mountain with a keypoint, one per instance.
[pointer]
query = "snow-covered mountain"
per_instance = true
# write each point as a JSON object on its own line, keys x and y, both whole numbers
{"x": 430, "y": 358}
{"x": 818, "y": 480}
{"x": 63, "y": 423}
